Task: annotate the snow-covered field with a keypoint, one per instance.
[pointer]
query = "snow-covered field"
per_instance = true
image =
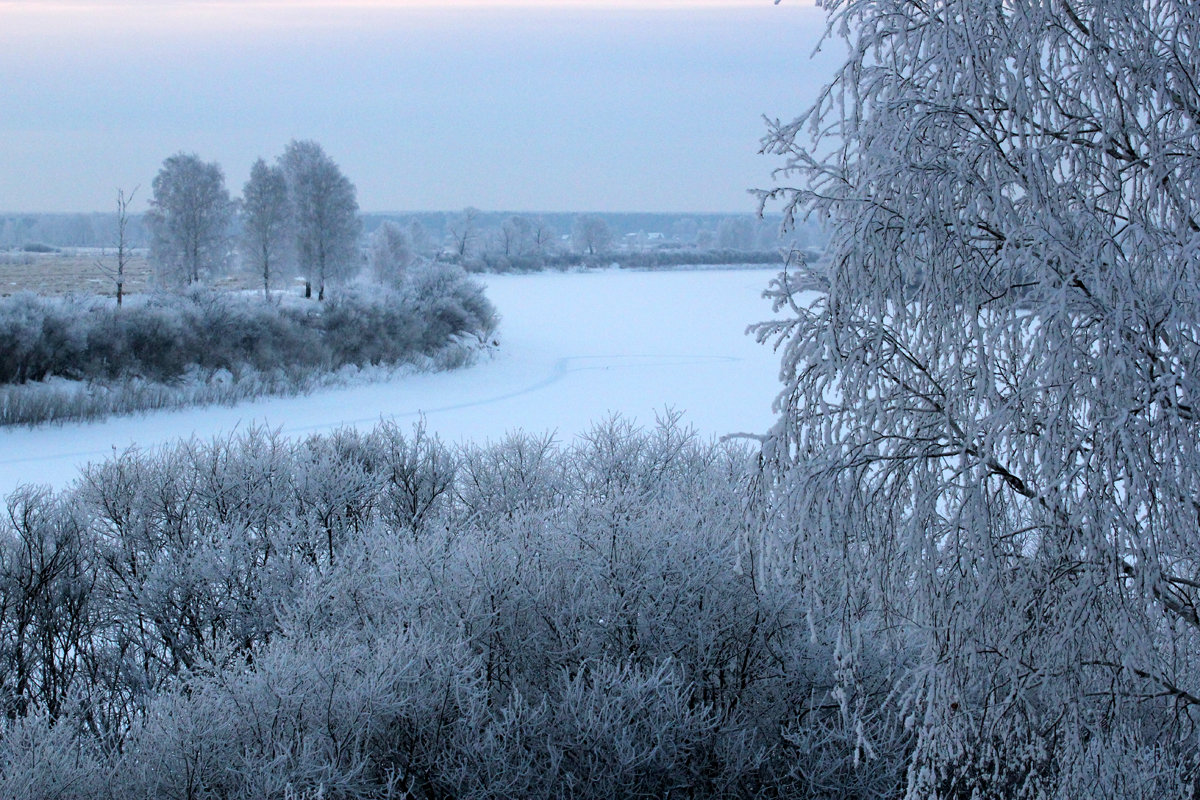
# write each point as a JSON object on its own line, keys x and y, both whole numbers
{"x": 573, "y": 348}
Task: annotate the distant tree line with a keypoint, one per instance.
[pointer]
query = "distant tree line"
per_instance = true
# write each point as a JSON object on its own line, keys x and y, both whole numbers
{"x": 258, "y": 235}
{"x": 628, "y": 229}
{"x": 701, "y": 231}
{"x": 517, "y": 243}
{"x": 91, "y": 230}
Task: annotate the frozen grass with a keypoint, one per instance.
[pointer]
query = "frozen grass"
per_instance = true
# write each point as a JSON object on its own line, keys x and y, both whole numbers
{"x": 61, "y": 401}
{"x": 70, "y": 270}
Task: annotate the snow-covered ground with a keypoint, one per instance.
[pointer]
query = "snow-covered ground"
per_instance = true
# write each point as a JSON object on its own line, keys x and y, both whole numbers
{"x": 573, "y": 348}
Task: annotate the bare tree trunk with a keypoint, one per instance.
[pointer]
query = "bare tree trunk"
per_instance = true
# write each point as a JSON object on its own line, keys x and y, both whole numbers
{"x": 117, "y": 274}
{"x": 267, "y": 277}
{"x": 123, "y": 201}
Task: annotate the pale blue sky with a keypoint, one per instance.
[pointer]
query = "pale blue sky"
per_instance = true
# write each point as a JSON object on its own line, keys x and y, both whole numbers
{"x": 606, "y": 105}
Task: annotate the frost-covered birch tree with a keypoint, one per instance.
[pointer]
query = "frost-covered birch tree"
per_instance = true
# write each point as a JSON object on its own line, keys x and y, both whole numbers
{"x": 987, "y": 460}
{"x": 325, "y": 208}
{"x": 189, "y": 218}
{"x": 267, "y": 231}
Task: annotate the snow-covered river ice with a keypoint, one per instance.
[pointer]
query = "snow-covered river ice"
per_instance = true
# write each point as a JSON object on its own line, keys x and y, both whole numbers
{"x": 573, "y": 348}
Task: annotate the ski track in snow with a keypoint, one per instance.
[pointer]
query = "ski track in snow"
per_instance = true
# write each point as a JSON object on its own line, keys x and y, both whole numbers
{"x": 575, "y": 348}
{"x": 560, "y": 371}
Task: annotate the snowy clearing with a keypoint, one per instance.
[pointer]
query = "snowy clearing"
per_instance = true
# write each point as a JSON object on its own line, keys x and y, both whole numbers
{"x": 573, "y": 348}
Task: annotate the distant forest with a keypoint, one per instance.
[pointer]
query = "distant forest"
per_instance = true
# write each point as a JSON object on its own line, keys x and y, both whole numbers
{"x": 97, "y": 229}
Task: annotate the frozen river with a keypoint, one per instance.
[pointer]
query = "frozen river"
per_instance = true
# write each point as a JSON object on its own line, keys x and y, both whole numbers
{"x": 573, "y": 348}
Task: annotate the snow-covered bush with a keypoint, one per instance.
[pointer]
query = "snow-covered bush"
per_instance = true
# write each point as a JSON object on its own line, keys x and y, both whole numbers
{"x": 47, "y": 578}
{"x": 40, "y": 337}
{"x": 373, "y": 615}
{"x": 418, "y": 477}
{"x": 449, "y": 302}
{"x": 375, "y": 326}
{"x": 43, "y": 760}
{"x": 183, "y": 338}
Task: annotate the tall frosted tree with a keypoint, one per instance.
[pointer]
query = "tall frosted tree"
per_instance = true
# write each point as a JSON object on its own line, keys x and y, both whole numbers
{"x": 988, "y": 450}
{"x": 325, "y": 215}
{"x": 267, "y": 231}
{"x": 189, "y": 219}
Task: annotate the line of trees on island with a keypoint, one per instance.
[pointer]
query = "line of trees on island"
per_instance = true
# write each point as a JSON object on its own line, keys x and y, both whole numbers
{"x": 480, "y": 242}
{"x": 260, "y": 234}
{"x": 298, "y": 213}
{"x": 79, "y": 357}
{"x": 499, "y": 240}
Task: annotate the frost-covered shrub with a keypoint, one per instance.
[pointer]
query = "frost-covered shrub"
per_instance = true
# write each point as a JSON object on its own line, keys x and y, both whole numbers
{"x": 418, "y": 476}
{"x": 183, "y": 338}
{"x": 156, "y": 339}
{"x": 332, "y": 714}
{"x": 41, "y": 760}
{"x": 47, "y": 576}
{"x": 375, "y": 326}
{"x": 603, "y": 730}
{"x": 40, "y": 337}
{"x": 20, "y": 332}
{"x": 450, "y": 302}
{"x": 38, "y": 247}
{"x": 374, "y": 615}
{"x": 501, "y": 480}
{"x": 243, "y": 333}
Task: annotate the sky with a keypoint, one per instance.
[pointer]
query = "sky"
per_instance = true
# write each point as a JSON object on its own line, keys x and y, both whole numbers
{"x": 515, "y": 105}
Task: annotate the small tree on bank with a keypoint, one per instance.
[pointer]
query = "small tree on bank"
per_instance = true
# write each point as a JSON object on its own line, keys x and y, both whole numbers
{"x": 267, "y": 226}
{"x": 325, "y": 215}
{"x": 591, "y": 235}
{"x": 391, "y": 254}
{"x": 516, "y": 236}
{"x": 464, "y": 232}
{"x": 543, "y": 237}
{"x": 189, "y": 219}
